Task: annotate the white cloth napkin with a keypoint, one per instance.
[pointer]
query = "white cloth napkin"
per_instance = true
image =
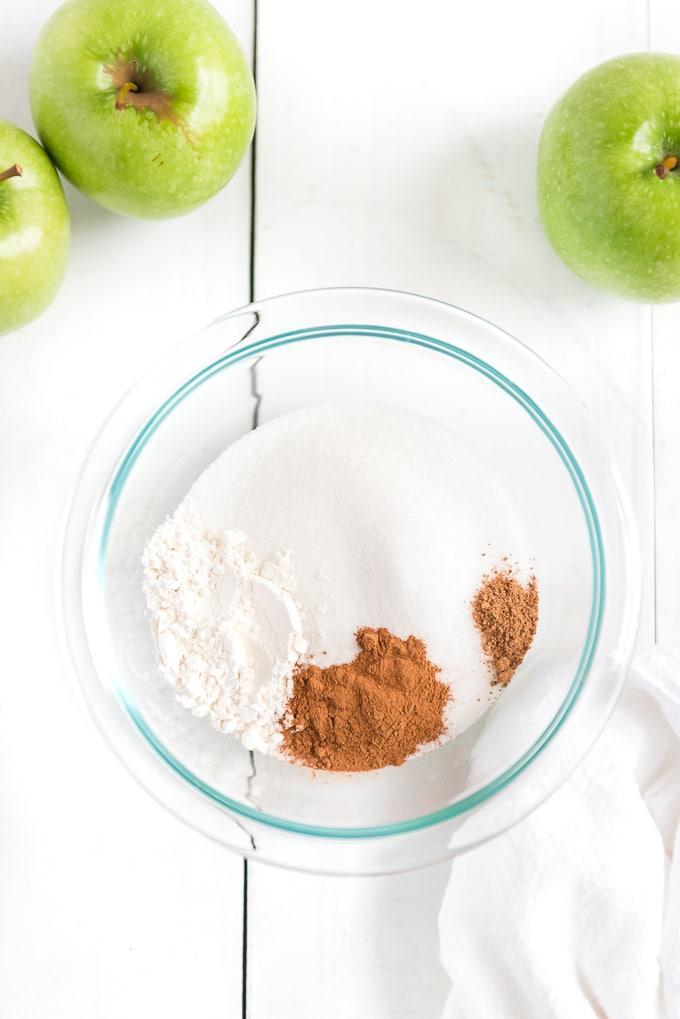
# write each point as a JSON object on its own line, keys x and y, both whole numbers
{"x": 575, "y": 912}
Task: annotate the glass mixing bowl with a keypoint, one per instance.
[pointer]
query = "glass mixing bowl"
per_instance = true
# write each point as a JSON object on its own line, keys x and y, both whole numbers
{"x": 281, "y": 354}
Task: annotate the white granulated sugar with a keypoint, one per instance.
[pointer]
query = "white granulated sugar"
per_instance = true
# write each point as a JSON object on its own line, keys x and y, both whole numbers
{"x": 322, "y": 521}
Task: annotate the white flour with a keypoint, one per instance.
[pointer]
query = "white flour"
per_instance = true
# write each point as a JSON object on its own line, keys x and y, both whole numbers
{"x": 318, "y": 523}
{"x": 227, "y": 629}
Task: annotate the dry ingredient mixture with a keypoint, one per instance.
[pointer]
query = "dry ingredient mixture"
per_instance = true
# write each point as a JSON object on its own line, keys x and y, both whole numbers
{"x": 326, "y": 530}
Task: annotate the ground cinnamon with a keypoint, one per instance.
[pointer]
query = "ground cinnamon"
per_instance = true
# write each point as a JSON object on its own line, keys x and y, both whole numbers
{"x": 380, "y": 708}
{"x": 374, "y": 711}
{"x": 506, "y": 615}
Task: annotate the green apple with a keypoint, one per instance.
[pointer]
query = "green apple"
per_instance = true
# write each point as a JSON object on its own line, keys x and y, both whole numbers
{"x": 34, "y": 228}
{"x": 609, "y": 178}
{"x": 146, "y": 106}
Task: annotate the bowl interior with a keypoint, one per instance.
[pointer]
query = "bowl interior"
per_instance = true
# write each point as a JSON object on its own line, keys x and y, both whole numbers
{"x": 458, "y": 382}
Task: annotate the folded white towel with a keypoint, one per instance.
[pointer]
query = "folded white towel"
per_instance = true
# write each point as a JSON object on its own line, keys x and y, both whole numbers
{"x": 575, "y": 911}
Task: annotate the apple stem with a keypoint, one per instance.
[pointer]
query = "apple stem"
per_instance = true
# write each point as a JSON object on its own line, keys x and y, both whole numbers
{"x": 12, "y": 171}
{"x": 663, "y": 168}
{"x": 122, "y": 93}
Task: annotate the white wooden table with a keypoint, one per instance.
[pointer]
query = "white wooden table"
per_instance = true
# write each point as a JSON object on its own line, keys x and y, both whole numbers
{"x": 395, "y": 147}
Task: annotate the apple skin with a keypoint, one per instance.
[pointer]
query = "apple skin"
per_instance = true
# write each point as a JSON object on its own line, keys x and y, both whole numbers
{"x": 604, "y": 208}
{"x": 34, "y": 229}
{"x": 165, "y": 148}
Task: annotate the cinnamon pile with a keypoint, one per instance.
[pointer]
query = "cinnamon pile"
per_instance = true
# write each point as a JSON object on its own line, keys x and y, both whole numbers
{"x": 387, "y": 703}
{"x": 506, "y": 616}
{"x": 371, "y": 712}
